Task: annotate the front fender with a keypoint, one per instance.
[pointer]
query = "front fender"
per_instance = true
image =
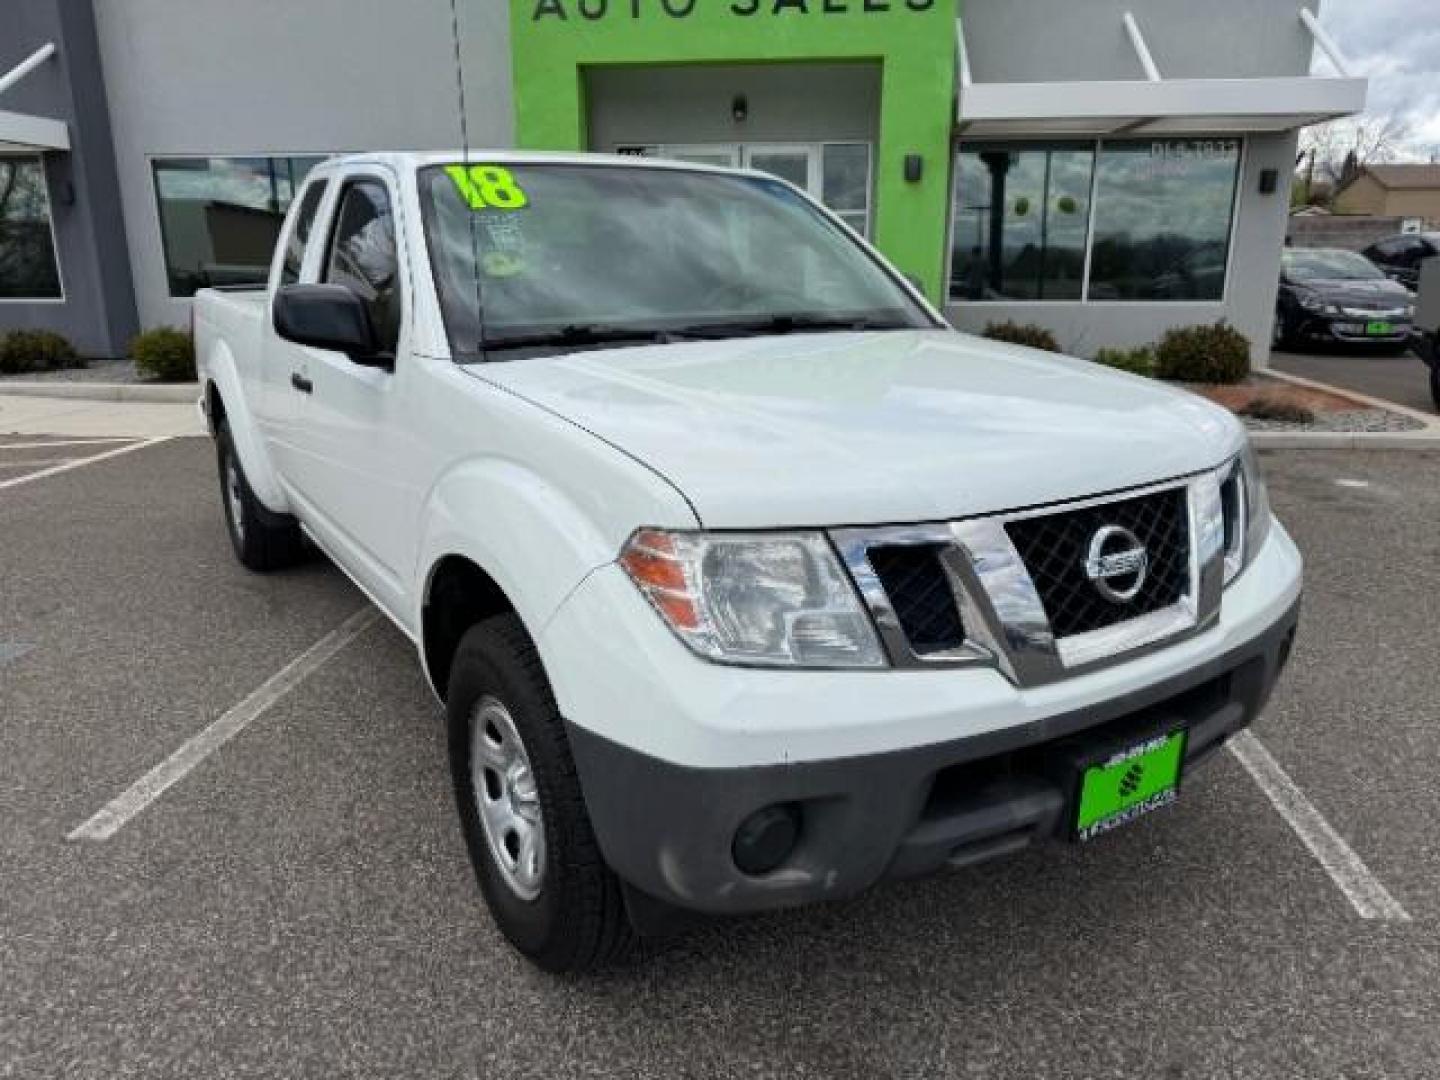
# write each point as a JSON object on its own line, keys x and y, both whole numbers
{"x": 222, "y": 374}
{"x": 531, "y": 536}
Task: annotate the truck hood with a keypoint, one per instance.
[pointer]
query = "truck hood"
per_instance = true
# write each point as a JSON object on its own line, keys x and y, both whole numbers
{"x": 869, "y": 428}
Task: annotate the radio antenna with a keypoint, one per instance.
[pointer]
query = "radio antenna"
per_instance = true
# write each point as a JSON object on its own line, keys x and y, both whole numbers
{"x": 465, "y": 152}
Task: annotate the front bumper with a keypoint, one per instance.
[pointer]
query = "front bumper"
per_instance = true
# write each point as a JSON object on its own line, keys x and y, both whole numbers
{"x": 1351, "y": 330}
{"x": 668, "y": 829}
{"x": 895, "y": 772}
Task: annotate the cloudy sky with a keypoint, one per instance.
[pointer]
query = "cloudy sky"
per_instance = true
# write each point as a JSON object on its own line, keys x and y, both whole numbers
{"x": 1397, "y": 44}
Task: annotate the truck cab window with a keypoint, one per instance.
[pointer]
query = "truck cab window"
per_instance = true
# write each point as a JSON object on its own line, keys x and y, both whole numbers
{"x": 300, "y": 235}
{"x": 363, "y": 256}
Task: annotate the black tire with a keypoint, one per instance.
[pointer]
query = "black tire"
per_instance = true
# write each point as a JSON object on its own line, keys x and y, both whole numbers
{"x": 262, "y": 539}
{"x": 1435, "y": 386}
{"x": 1281, "y": 336}
{"x": 578, "y": 920}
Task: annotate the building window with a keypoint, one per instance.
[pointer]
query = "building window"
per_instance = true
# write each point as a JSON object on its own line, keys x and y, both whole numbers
{"x": 28, "y": 269}
{"x": 220, "y": 217}
{"x": 845, "y": 183}
{"x": 1150, "y": 220}
{"x": 1162, "y": 219}
{"x": 1020, "y": 221}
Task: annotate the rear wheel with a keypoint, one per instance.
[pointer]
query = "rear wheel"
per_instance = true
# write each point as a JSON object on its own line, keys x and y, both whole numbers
{"x": 522, "y": 809}
{"x": 263, "y": 539}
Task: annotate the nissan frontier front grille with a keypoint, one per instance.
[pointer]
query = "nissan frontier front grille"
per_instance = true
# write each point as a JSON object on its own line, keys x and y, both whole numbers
{"x": 924, "y": 603}
{"x": 1055, "y": 550}
{"x": 1040, "y": 594}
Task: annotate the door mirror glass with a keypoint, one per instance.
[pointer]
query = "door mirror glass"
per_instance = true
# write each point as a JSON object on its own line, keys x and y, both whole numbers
{"x": 328, "y": 317}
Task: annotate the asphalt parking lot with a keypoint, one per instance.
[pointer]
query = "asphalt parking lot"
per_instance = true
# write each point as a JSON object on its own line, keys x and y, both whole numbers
{"x": 299, "y": 903}
{"x": 1403, "y": 379}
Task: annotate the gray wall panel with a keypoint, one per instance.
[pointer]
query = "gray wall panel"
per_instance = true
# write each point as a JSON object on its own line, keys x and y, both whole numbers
{"x": 787, "y": 103}
{"x": 217, "y": 78}
{"x": 98, "y": 312}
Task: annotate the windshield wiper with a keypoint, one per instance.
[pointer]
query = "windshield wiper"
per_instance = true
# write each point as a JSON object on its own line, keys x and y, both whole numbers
{"x": 583, "y": 334}
{"x": 790, "y": 324}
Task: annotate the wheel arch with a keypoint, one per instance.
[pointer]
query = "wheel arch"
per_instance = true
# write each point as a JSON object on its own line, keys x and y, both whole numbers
{"x": 458, "y": 593}
{"x": 225, "y": 400}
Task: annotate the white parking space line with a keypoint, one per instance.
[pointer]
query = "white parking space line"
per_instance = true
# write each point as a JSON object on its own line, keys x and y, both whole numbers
{"x": 1369, "y": 898}
{"x": 113, "y": 816}
{"x": 107, "y": 441}
{"x": 81, "y": 462}
{"x": 36, "y": 461}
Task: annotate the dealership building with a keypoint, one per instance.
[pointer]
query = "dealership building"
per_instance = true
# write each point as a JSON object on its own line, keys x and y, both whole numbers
{"x": 1107, "y": 168}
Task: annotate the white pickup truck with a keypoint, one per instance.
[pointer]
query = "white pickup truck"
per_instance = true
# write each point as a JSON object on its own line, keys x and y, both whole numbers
{"x": 744, "y": 580}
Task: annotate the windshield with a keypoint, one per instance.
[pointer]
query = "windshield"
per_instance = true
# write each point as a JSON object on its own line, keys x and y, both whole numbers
{"x": 1329, "y": 266}
{"x": 577, "y": 255}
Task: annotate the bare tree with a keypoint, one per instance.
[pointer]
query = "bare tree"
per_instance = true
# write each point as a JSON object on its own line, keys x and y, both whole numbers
{"x": 1333, "y": 152}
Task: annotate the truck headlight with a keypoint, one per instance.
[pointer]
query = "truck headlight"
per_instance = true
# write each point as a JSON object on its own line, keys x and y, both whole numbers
{"x": 1247, "y": 512}
{"x": 772, "y": 599}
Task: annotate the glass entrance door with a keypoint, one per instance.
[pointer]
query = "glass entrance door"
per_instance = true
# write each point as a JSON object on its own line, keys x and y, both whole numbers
{"x": 723, "y": 154}
{"x": 798, "y": 164}
{"x": 837, "y": 174}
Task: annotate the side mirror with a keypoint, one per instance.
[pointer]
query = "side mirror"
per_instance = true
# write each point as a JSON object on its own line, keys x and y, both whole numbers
{"x": 328, "y": 317}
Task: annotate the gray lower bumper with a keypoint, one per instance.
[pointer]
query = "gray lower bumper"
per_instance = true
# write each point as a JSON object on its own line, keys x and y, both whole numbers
{"x": 668, "y": 829}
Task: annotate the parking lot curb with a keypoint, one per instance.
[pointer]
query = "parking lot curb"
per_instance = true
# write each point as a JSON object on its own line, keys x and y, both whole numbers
{"x": 1346, "y": 440}
{"x": 1425, "y": 438}
{"x": 83, "y": 391}
{"x": 1430, "y": 420}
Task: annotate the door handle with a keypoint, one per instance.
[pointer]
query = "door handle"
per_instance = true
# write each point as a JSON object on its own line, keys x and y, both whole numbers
{"x": 299, "y": 382}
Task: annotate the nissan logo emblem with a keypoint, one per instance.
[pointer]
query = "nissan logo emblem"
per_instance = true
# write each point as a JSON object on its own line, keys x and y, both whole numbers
{"x": 1116, "y": 563}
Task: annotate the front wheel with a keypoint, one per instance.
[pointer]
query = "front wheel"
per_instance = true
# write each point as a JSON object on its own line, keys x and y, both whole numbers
{"x": 522, "y": 809}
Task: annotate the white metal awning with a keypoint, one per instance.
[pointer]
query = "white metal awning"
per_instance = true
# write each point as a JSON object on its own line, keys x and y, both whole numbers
{"x": 19, "y": 131}
{"x": 1157, "y": 105}
{"x": 31, "y": 133}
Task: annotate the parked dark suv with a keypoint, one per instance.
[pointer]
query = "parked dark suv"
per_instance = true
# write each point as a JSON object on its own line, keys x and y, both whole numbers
{"x": 1400, "y": 256}
{"x": 1330, "y": 295}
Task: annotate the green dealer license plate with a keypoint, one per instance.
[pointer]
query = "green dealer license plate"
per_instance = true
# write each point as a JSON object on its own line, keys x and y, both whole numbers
{"x": 1379, "y": 329}
{"x": 1132, "y": 782}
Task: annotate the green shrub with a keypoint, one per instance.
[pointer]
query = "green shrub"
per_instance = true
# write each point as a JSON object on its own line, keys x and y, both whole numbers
{"x": 166, "y": 354}
{"x": 1138, "y": 361}
{"x": 36, "y": 350}
{"x": 1274, "y": 407}
{"x": 1204, "y": 354}
{"x": 1032, "y": 334}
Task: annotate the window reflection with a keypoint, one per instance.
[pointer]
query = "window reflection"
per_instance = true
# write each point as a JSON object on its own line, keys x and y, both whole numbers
{"x": 28, "y": 270}
{"x": 1020, "y": 219}
{"x": 1162, "y": 219}
{"x": 220, "y": 217}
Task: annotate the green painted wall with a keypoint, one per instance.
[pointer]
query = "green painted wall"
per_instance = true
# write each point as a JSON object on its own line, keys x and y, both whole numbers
{"x": 552, "y": 41}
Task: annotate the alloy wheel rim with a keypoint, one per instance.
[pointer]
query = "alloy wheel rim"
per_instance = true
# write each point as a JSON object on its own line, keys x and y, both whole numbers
{"x": 507, "y": 798}
{"x": 232, "y": 498}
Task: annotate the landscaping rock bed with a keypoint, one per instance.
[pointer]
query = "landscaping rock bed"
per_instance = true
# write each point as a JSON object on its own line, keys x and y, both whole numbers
{"x": 101, "y": 371}
{"x": 1328, "y": 411}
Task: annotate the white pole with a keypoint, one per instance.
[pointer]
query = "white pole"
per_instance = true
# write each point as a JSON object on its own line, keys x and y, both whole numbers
{"x": 1141, "y": 49}
{"x": 29, "y": 64}
{"x": 1325, "y": 41}
{"x": 963, "y": 53}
